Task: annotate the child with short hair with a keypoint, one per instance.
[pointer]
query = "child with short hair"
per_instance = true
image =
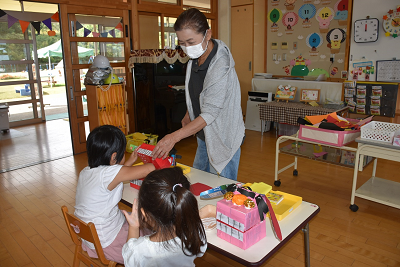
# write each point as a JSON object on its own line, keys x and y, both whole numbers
{"x": 167, "y": 207}
{"x": 100, "y": 186}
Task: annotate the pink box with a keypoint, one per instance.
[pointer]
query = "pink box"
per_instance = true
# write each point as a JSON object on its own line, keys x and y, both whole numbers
{"x": 240, "y": 226}
{"x": 329, "y": 137}
{"x": 240, "y": 239}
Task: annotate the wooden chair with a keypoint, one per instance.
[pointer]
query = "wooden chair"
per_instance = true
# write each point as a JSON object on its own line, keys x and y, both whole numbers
{"x": 78, "y": 230}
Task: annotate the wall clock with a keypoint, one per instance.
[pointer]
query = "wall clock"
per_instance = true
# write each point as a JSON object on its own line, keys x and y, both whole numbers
{"x": 391, "y": 23}
{"x": 366, "y": 30}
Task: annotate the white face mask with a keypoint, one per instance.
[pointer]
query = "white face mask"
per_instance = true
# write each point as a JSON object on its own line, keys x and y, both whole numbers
{"x": 195, "y": 51}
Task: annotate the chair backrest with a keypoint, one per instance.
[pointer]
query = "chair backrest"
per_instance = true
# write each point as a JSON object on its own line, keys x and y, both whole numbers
{"x": 78, "y": 230}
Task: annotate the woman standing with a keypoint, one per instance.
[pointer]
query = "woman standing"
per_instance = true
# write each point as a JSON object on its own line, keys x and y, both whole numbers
{"x": 213, "y": 100}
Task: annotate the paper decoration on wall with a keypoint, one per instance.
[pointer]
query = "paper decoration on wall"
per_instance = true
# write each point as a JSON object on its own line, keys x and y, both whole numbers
{"x": 275, "y": 2}
{"x": 299, "y": 66}
{"x": 314, "y": 40}
{"x": 289, "y": 4}
{"x": 324, "y": 17}
{"x": 341, "y": 11}
{"x": 289, "y": 20}
{"x": 306, "y": 13}
{"x": 286, "y": 69}
{"x": 335, "y": 37}
{"x": 274, "y": 16}
{"x": 334, "y": 71}
{"x": 307, "y": 1}
{"x": 362, "y": 70}
{"x": 326, "y": 2}
{"x": 317, "y": 72}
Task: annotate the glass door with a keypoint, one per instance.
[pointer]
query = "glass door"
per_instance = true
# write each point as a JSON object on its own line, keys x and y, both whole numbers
{"x": 104, "y": 32}
{"x": 20, "y": 86}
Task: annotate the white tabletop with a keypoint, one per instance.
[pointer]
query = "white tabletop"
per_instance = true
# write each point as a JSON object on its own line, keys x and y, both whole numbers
{"x": 260, "y": 251}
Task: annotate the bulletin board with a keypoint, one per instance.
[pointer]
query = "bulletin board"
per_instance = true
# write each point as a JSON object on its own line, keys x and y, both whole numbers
{"x": 305, "y": 36}
{"x": 388, "y": 70}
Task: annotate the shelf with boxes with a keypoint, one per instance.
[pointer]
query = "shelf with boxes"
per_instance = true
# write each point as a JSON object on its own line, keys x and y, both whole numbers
{"x": 107, "y": 107}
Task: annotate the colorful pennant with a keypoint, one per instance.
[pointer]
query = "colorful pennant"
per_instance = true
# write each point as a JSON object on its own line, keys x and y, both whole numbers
{"x": 2, "y": 13}
{"x": 78, "y": 25}
{"x": 86, "y": 32}
{"x": 36, "y": 25}
{"x": 56, "y": 17}
{"x": 119, "y": 27}
{"x": 11, "y": 21}
{"x": 95, "y": 34}
{"x": 112, "y": 33}
{"x": 47, "y": 22}
{"x": 24, "y": 25}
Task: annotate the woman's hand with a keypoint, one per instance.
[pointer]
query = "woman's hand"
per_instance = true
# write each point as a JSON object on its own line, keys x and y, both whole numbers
{"x": 185, "y": 121}
{"x": 132, "y": 218}
{"x": 164, "y": 146}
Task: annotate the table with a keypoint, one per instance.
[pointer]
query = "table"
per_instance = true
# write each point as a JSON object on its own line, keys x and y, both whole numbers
{"x": 328, "y": 90}
{"x": 265, "y": 248}
{"x": 49, "y": 79}
{"x": 375, "y": 189}
{"x": 289, "y": 112}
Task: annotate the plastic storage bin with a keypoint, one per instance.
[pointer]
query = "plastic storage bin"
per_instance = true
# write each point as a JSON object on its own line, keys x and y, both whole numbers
{"x": 136, "y": 139}
{"x": 4, "y": 122}
{"x": 379, "y": 131}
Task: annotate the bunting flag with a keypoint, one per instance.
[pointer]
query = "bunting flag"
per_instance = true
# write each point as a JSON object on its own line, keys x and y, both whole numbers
{"x": 86, "y": 32}
{"x": 119, "y": 27}
{"x": 78, "y": 25}
{"x": 24, "y": 25}
{"x": 112, "y": 33}
{"x": 36, "y": 25}
{"x": 11, "y": 21}
{"x": 2, "y": 13}
{"x": 56, "y": 17}
{"x": 47, "y": 22}
{"x": 104, "y": 34}
{"x": 95, "y": 34}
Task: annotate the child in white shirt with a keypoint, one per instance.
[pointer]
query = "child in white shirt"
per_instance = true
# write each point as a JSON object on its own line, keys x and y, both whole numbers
{"x": 167, "y": 207}
{"x": 100, "y": 188}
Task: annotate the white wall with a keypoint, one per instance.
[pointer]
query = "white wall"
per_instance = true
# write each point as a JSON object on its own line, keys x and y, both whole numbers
{"x": 385, "y": 48}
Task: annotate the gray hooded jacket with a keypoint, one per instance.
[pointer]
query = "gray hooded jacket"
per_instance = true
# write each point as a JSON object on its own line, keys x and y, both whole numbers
{"x": 220, "y": 106}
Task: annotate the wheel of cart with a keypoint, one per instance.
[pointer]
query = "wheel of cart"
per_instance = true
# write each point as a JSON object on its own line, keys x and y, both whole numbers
{"x": 353, "y": 207}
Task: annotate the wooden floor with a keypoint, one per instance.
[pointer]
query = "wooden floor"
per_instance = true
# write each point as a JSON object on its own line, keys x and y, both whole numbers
{"x": 33, "y": 232}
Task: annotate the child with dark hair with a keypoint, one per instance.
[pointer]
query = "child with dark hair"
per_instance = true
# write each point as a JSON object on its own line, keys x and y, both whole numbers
{"x": 167, "y": 207}
{"x": 100, "y": 188}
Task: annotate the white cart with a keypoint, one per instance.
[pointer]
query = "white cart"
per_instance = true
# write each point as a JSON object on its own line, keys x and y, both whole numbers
{"x": 376, "y": 189}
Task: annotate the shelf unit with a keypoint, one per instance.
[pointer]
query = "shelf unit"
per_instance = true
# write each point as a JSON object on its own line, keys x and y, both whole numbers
{"x": 107, "y": 106}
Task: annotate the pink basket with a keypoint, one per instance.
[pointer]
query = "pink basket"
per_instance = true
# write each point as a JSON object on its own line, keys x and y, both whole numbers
{"x": 329, "y": 137}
